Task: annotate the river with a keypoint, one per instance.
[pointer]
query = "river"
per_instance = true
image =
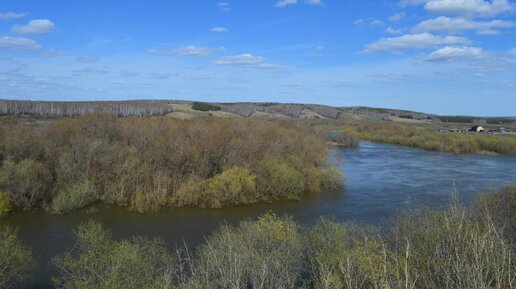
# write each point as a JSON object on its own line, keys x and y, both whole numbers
{"x": 382, "y": 180}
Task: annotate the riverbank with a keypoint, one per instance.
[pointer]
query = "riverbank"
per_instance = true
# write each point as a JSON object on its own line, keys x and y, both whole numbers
{"x": 427, "y": 137}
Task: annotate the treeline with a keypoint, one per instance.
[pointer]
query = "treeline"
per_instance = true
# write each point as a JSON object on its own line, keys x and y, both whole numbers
{"x": 247, "y": 109}
{"x": 72, "y": 109}
{"x": 427, "y": 137}
{"x": 455, "y": 248}
{"x": 148, "y": 164}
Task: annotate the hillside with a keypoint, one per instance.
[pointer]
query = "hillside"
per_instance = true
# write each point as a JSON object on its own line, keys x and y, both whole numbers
{"x": 188, "y": 109}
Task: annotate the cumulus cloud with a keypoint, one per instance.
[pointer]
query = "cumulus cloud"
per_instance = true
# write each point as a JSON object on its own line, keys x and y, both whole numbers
{"x": 11, "y": 15}
{"x": 190, "y": 50}
{"x": 452, "y": 54}
{"x": 371, "y": 21}
{"x": 242, "y": 59}
{"x": 414, "y": 42}
{"x": 454, "y": 25}
{"x": 270, "y": 66}
{"x": 18, "y": 43}
{"x": 38, "y": 26}
{"x": 397, "y": 17}
{"x": 219, "y": 29}
{"x": 464, "y": 8}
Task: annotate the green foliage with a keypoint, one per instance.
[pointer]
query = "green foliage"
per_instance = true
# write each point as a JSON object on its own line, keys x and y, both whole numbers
{"x": 266, "y": 253}
{"x": 97, "y": 261}
{"x": 458, "y": 119}
{"x": 5, "y": 204}
{"x": 280, "y": 177}
{"x": 234, "y": 186}
{"x": 73, "y": 197}
{"x": 332, "y": 178}
{"x": 16, "y": 262}
{"x": 28, "y": 182}
{"x": 202, "y": 106}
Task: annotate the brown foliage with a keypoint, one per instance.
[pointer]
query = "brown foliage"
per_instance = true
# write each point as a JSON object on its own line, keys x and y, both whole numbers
{"x": 144, "y": 163}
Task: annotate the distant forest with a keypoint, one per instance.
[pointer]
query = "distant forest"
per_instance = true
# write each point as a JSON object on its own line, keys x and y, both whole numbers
{"x": 71, "y": 109}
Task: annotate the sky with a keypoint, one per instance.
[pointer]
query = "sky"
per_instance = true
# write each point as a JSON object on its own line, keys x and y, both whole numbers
{"x": 453, "y": 57}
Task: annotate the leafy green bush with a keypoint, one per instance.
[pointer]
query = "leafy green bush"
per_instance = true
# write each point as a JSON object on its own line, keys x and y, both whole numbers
{"x": 16, "y": 262}
{"x": 280, "y": 177}
{"x": 202, "y": 106}
{"x": 5, "y": 204}
{"x": 97, "y": 261}
{"x": 73, "y": 197}
{"x": 234, "y": 186}
{"x": 332, "y": 178}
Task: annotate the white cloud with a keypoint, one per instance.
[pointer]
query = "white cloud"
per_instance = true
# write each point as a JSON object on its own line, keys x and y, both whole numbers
{"x": 38, "y": 26}
{"x": 11, "y": 15}
{"x": 18, "y": 43}
{"x": 453, "y": 25}
{"x": 452, "y": 54}
{"x": 414, "y": 42}
{"x": 270, "y": 66}
{"x": 370, "y": 21}
{"x": 397, "y": 17}
{"x": 464, "y": 8}
{"x": 223, "y": 6}
{"x": 190, "y": 50}
{"x": 219, "y": 29}
{"x": 242, "y": 59}
{"x": 284, "y": 3}
{"x": 393, "y": 31}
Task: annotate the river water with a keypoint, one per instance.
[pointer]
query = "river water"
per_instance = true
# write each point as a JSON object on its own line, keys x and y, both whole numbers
{"x": 382, "y": 180}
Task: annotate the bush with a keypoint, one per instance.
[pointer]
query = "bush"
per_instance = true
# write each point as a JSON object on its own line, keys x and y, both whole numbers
{"x": 338, "y": 259}
{"x": 202, "y": 106}
{"x": 28, "y": 182}
{"x": 5, "y": 204}
{"x": 453, "y": 249}
{"x": 500, "y": 208}
{"x": 332, "y": 178}
{"x": 73, "y": 197}
{"x": 234, "y": 186}
{"x": 262, "y": 254}
{"x": 97, "y": 261}
{"x": 280, "y": 177}
{"x": 16, "y": 262}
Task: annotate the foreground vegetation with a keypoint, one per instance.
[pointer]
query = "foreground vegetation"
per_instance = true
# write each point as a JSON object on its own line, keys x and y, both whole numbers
{"x": 455, "y": 248}
{"x": 427, "y": 137}
{"x": 147, "y": 164}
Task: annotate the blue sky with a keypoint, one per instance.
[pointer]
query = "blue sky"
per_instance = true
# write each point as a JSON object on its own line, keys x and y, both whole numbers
{"x": 438, "y": 56}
